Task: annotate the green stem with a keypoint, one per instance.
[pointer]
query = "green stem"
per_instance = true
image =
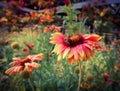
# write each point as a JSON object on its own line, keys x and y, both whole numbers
{"x": 30, "y": 83}
{"x": 80, "y": 75}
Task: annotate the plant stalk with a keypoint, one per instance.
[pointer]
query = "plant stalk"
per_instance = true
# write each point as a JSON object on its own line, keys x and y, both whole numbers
{"x": 30, "y": 83}
{"x": 80, "y": 75}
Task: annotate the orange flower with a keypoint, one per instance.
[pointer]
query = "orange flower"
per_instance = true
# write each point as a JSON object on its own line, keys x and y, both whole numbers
{"x": 55, "y": 28}
{"x": 105, "y": 77}
{"x": 42, "y": 18}
{"x": 102, "y": 14}
{"x": 48, "y": 17}
{"x": 51, "y": 28}
{"x": 24, "y": 64}
{"x": 4, "y": 42}
{"x": 30, "y": 46}
{"x": 86, "y": 86}
{"x": 76, "y": 47}
{"x": 117, "y": 67}
{"x": 67, "y": 2}
{"x": 46, "y": 29}
{"x": 3, "y": 19}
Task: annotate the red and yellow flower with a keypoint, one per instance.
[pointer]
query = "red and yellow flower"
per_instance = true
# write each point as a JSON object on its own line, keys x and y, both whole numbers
{"x": 85, "y": 86}
{"x": 51, "y": 28}
{"x": 117, "y": 66}
{"x": 76, "y": 47}
{"x": 26, "y": 64}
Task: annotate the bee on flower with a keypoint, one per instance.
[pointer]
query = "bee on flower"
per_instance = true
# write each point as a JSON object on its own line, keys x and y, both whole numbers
{"x": 75, "y": 47}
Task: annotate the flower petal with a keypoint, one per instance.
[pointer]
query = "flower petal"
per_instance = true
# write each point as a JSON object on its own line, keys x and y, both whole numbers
{"x": 15, "y": 63}
{"x": 70, "y": 60}
{"x": 93, "y": 37}
{"x": 59, "y": 57}
{"x": 57, "y": 38}
{"x": 35, "y": 65}
{"x": 66, "y": 51}
{"x": 35, "y": 57}
{"x": 28, "y": 67}
{"x": 13, "y": 70}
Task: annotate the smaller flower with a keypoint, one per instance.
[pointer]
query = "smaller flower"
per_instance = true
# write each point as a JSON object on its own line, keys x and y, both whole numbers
{"x": 60, "y": 75}
{"x": 49, "y": 18}
{"x": 54, "y": 28}
{"x": 106, "y": 78}
{"x": 46, "y": 29}
{"x": 117, "y": 67}
{"x": 15, "y": 45}
{"x": 90, "y": 77}
{"x": 85, "y": 85}
{"x": 21, "y": 65}
{"x": 3, "y": 19}
{"x": 4, "y": 42}
{"x": 25, "y": 50}
{"x": 102, "y": 14}
{"x": 76, "y": 70}
{"x": 30, "y": 46}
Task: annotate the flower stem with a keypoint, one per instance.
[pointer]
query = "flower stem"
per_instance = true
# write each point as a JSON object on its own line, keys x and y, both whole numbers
{"x": 80, "y": 74}
{"x": 30, "y": 83}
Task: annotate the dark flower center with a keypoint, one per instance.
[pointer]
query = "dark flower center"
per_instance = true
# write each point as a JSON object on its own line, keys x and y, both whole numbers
{"x": 25, "y": 60}
{"x": 74, "y": 40}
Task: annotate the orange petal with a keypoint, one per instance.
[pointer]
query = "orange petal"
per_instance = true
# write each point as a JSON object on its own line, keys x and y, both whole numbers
{"x": 35, "y": 65}
{"x": 70, "y": 61}
{"x": 28, "y": 67}
{"x": 60, "y": 48}
{"x": 87, "y": 53}
{"x": 81, "y": 52}
{"x": 76, "y": 53}
{"x": 35, "y": 57}
{"x": 93, "y": 37}
{"x": 13, "y": 70}
{"x": 71, "y": 53}
{"x": 66, "y": 51}
{"x": 57, "y": 38}
{"x": 15, "y": 63}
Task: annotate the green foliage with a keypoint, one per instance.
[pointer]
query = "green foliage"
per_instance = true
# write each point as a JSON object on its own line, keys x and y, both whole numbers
{"x": 71, "y": 20}
{"x": 53, "y": 75}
